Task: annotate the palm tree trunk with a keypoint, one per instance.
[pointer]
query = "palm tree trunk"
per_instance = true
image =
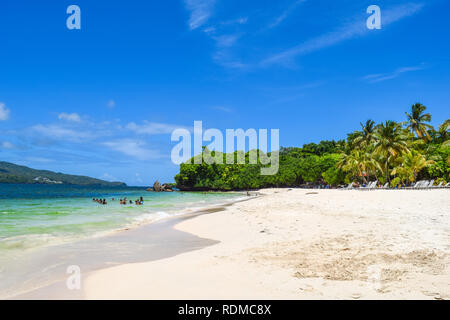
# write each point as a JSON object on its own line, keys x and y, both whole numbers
{"x": 387, "y": 171}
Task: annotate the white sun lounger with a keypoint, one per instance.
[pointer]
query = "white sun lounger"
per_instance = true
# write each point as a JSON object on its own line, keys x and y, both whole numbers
{"x": 369, "y": 186}
{"x": 421, "y": 184}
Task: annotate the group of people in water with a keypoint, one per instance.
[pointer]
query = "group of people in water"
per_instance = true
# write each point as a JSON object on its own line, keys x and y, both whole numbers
{"x": 101, "y": 201}
{"x": 124, "y": 201}
{"x": 138, "y": 202}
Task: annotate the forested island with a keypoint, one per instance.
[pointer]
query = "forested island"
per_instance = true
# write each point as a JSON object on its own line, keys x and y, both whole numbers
{"x": 14, "y": 174}
{"x": 398, "y": 153}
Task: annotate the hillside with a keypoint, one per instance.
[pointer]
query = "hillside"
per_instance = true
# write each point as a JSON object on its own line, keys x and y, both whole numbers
{"x": 12, "y": 173}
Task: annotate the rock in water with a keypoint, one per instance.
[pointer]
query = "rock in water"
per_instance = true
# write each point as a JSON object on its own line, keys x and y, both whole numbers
{"x": 166, "y": 187}
{"x": 157, "y": 186}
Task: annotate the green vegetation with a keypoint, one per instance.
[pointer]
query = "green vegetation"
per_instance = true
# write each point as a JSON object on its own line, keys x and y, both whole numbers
{"x": 11, "y": 173}
{"x": 398, "y": 153}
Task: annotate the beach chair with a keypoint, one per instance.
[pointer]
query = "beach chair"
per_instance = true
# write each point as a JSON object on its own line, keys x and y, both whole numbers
{"x": 374, "y": 185}
{"x": 430, "y": 185}
{"x": 386, "y": 186}
{"x": 423, "y": 184}
{"x": 447, "y": 185}
{"x": 369, "y": 185}
{"x": 439, "y": 185}
{"x": 350, "y": 186}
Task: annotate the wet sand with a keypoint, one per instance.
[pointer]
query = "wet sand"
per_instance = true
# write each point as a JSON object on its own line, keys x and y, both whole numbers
{"x": 158, "y": 240}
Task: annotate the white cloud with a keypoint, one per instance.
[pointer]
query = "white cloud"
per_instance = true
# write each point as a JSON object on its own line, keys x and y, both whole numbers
{"x": 227, "y": 40}
{"x": 285, "y": 14}
{"x": 111, "y": 104}
{"x": 60, "y": 132}
{"x": 242, "y": 20}
{"x": 4, "y": 113}
{"x": 7, "y": 145}
{"x": 379, "y": 77}
{"x": 133, "y": 148}
{"x": 74, "y": 117}
{"x": 200, "y": 10}
{"x": 345, "y": 32}
{"x": 224, "y": 54}
{"x": 152, "y": 128}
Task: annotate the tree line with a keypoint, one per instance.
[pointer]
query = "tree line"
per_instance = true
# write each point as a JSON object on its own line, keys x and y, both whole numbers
{"x": 398, "y": 153}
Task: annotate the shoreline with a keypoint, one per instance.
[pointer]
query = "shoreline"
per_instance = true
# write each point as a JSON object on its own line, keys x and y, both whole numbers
{"x": 295, "y": 244}
{"x": 291, "y": 244}
{"x": 163, "y": 227}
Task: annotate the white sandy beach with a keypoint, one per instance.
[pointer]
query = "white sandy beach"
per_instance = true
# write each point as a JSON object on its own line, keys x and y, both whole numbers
{"x": 302, "y": 244}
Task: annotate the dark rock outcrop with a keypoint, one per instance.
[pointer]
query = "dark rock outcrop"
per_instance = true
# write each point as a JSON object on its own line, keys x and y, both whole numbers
{"x": 166, "y": 187}
{"x": 157, "y": 186}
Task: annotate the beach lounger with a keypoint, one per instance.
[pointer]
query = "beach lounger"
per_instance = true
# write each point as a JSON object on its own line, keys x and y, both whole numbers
{"x": 368, "y": 186}
{"x": 422, "y": 184}
{"x": 374, "y": 185}
{"x": 386, "y": 186}
{"x": 412, "y": 186}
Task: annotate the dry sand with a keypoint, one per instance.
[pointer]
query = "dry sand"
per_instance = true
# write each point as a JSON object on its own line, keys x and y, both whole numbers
{"x": 302, "y": 244}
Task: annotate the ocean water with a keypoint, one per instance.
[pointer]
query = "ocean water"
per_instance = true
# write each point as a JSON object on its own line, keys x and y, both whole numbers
{"x": 33, "y": 216}
{"x": 45, "y": 228}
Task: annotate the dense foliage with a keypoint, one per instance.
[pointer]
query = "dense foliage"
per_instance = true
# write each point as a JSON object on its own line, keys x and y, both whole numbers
{"x": 398, "y": 153}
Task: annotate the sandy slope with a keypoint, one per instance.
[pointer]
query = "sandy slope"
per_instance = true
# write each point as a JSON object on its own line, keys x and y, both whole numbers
{"x": 302, "y": 244}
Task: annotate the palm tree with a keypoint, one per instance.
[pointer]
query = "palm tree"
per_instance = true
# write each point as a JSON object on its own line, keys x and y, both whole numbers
{"x": 411, "y": 164}
{"x": 416, "y": 121}
{"x": 390, "y": 143}
{"x": 359, "y": 163}
{"x": 443, "y": 133}
{"x": 365, "y": 137}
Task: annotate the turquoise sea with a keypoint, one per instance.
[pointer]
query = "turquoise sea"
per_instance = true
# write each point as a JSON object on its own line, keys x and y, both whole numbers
{"x": 42, "y": 225}
{"x": 37, "y": 215}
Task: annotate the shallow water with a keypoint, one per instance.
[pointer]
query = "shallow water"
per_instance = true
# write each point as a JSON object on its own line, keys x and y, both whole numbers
{"x": 36, "y": 217}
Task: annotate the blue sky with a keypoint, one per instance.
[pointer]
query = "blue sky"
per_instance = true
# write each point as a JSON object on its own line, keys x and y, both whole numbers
{"x": 102, "y": 101}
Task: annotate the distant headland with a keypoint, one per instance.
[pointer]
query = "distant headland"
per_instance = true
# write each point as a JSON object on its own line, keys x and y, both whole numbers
{"x": 11, "y": 173}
